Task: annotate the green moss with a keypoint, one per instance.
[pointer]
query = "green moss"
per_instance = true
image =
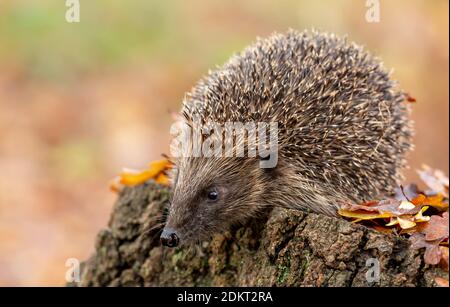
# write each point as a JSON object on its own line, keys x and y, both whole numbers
{"x": 177, "y": 257}
{"x": 283, "y": 272}
{"x": 304, "y": 264}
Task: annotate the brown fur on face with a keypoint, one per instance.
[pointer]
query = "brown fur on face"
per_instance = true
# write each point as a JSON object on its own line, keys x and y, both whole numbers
{"x": 244, "y": 190}
{"x": 241, "y": 186}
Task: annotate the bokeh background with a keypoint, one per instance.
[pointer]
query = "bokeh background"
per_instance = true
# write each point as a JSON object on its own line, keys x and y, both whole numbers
{"x": 79, "y": 101}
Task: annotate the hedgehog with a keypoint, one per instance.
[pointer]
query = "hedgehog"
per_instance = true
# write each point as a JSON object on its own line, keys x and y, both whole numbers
{"x": 343, "y": 134}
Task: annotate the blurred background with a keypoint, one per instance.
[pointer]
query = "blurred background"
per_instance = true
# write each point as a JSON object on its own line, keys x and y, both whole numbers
{"x": 79, "y": 101}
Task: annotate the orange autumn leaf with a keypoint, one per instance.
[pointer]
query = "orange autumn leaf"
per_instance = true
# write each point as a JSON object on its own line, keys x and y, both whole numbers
{"x": 133, "y": 177}
{"x": 162, "y": 179}
{"x": 441, "y": 282}
{"x": 403, "y": 214}
{"x": 363, "y": 215}
{"x": 115, "y": 184}
{"x": 436, "y": 201}
{"x": 410, "y": 99}
{"x": 386, "y": 208}
{"x": 156, "y": 170}
{"x": 419, "y": 199}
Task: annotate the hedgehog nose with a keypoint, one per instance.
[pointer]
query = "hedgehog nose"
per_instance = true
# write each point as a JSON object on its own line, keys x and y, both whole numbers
{"x": 169, "y": 238}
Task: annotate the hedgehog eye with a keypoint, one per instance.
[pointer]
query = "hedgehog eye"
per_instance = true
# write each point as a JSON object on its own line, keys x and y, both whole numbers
{"x": 213, "y": 195}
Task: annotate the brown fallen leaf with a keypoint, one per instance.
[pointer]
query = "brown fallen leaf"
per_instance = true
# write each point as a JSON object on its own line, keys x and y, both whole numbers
{"x": 433, "y": 253}
{"x": 434, "y": 179}
{"x": 405, "y": 222}
{"x": 418, "y": 241}
{"x": 437, "y": 228}
{"x": 363, "y": 215}
{"x": 416, "y": 229}
{"x": 429, "y": 237}
{"x": 157, "y": 170}
{"x": 419, "y": 199}
{"x": 410, "y": 99}
{"x": 407, "y": 192}
{"x": 386, "y": 208}
{"x": 404, "y": 214}
{"x": 162, "y": 179}
{"x": 419, "y": 217}
{"x": 134, "y": 177}
{"x": 436, "y": 201}
{"x": 441, "y": 282}
{"x": 444, "y": 258}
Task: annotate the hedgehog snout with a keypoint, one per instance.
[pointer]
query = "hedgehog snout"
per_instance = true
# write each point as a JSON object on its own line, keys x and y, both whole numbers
{"x": 169, "y": 237}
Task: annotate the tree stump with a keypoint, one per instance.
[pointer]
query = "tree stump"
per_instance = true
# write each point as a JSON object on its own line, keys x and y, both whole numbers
{"x": 284, "y": 248}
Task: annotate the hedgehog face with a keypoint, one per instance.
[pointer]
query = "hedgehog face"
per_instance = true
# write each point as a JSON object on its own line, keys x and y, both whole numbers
{"x": 209, "y": 196}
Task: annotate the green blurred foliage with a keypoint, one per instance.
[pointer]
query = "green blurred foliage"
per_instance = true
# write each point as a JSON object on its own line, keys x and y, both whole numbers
{"x": 110, "y": 32}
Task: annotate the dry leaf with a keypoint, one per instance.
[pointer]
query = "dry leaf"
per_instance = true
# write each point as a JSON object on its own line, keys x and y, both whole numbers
{"x": 406, "y": 216}
{"x": 114, "y": 185}
{"x": 410, "y": 99}
{"x": 408, "y": 192}
{"x": 434, "y": 179}
{"x": 429, "y": 238}
{"x": 419, "y": 199}
{"x": 433, "y": 254}
{"x": 388, "y": 207}
{"x": 363, "y": 215}
{"x": 441, "y": 282}
{"x": 134, "y": 177}
{"x": 444, "y": 257}
{"x": 405, "y": 222}
{"x": 436, "y": 201}
{"x": 162, "y": 179}
{"x": 419, "y": 217}
{"x": 437, "y": 228}
{"x": 418, "y": 241}
{"x": 156, "y": 170}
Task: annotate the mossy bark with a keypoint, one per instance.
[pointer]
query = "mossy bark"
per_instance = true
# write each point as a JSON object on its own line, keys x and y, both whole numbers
{"x": 285, "y": 248}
